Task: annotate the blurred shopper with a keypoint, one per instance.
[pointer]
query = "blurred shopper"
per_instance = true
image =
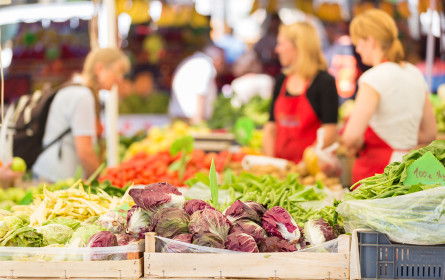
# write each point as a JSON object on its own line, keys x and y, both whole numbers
{"x": 305, "y": 96}
{"x": 250, "y": 81}
{"x": 265, "y": 47}
{"x": 194, "y": 87}
{"x": 233, "y": 47}
{"x": 76, "y": 109}
{"x": 7, "y": 175}
{"x": 392, "y": 111}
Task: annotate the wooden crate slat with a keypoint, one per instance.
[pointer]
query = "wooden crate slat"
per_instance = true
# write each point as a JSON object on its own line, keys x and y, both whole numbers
{"x": 73, "y": 269}
{"x": 261, "y": 265}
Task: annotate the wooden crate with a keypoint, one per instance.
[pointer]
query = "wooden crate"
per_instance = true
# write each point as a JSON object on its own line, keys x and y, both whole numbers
{"x": 304, "y": 265}
{"x": 131, "y": 268}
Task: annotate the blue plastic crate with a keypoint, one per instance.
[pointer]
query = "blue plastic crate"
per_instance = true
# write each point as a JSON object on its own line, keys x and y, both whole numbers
{"x": 382, "y": 259}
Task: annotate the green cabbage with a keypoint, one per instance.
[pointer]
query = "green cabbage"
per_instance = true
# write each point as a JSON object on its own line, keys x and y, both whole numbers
{"x": 22, "y": 236}
{"x": 8, "y": 224}
{"x": 82, "y": 234}
{"x": 55, "y": 233}
{"x": 64, "y": 221}
{"x": 24, "y": 218}
{"x": 4, "y": 213}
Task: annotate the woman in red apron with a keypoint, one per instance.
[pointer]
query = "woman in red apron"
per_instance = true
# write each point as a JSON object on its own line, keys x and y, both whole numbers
{"x": 392, "y": 112}
{"x": 305, "y": 96}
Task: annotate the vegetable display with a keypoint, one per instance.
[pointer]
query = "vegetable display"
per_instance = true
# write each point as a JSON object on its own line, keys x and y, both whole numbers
{"x": 209, "y": 221}
{"x": 145, "y": 168}
{"x": 225, "y": 113}
{"x": 138, "y": 221}
{"x": 243, "y": 226}
{"x": 170, "y": 222}
{"x": 390, "y": 182}
{"x": 278, "y": 222}
{"x": 266, "y": 190}
{"x": 412, "y": 213}
{"x": 249, "y": 227}
{"x": 73, "y": 203}
{"x": 155, "y": 196}
{"x": 55, "y": 233}
{"x": 242, "y": 242}
{"x": 194, "y": 205}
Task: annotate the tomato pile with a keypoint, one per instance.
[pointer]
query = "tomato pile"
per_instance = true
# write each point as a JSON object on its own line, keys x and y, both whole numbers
{"x": 144, "y": 168}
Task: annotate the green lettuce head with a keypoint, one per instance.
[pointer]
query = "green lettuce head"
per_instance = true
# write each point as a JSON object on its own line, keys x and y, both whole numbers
{"x": 55, "y": 233}
{"x": 82, "y": 234}
{"x": 73, "y": 224}
{"x": 8, "y": 224}
{"x": 4, "y": 213}
{"x": 24, "y": 218}
{"x": 22, "y": 236}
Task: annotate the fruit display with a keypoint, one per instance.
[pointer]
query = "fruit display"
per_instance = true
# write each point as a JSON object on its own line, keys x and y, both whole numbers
{"x": 159, "y": 139}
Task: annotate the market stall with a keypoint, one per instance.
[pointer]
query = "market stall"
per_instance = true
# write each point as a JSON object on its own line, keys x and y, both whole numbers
{"x": 243, "y": 226}
{"x": 202, "y": 201}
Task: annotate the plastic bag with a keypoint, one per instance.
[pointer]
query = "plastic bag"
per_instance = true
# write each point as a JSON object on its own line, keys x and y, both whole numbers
{"x": 69, "y": 253}
{"x": 416, "y": 218}
{"x": 166, "y": 245}
{"x": 324, "y": 160}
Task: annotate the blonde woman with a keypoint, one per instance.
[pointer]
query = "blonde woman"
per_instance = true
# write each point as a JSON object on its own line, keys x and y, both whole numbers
{"x": 392, "y": 111}
{"x": 74, "y": 117}
{"x": 305, "y": 96}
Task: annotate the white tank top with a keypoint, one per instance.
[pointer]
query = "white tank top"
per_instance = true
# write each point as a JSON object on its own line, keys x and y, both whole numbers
{"x": 402, "y": 96}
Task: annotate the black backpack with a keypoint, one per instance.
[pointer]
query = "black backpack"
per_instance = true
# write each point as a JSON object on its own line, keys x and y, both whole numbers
{"x": 28, "y": 122}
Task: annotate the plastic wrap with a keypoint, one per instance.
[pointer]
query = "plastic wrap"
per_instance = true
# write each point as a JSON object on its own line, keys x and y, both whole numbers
{"x": 69, "y": 253}
{"x": 166, "y": 245}
{"x": 416, "y": 218}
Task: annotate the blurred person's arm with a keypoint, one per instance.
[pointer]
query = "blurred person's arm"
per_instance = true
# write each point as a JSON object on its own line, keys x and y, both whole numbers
{"x": 428, "y": 125}
{"x": 269, "y": 136}
{"x": 200, "y": 109}
{"x": 87, "y": 156}
{"x": 330, "y": 134}
{"x": 364, "y": 107}
{"x": 7, "y": 176}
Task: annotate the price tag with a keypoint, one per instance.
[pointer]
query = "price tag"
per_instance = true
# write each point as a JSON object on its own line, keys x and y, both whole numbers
{"x": 426, "y": 170}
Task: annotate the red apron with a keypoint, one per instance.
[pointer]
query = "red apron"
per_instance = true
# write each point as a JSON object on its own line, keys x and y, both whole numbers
{"x": 373, "y": 158}
{"x": 297, "y": 125}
